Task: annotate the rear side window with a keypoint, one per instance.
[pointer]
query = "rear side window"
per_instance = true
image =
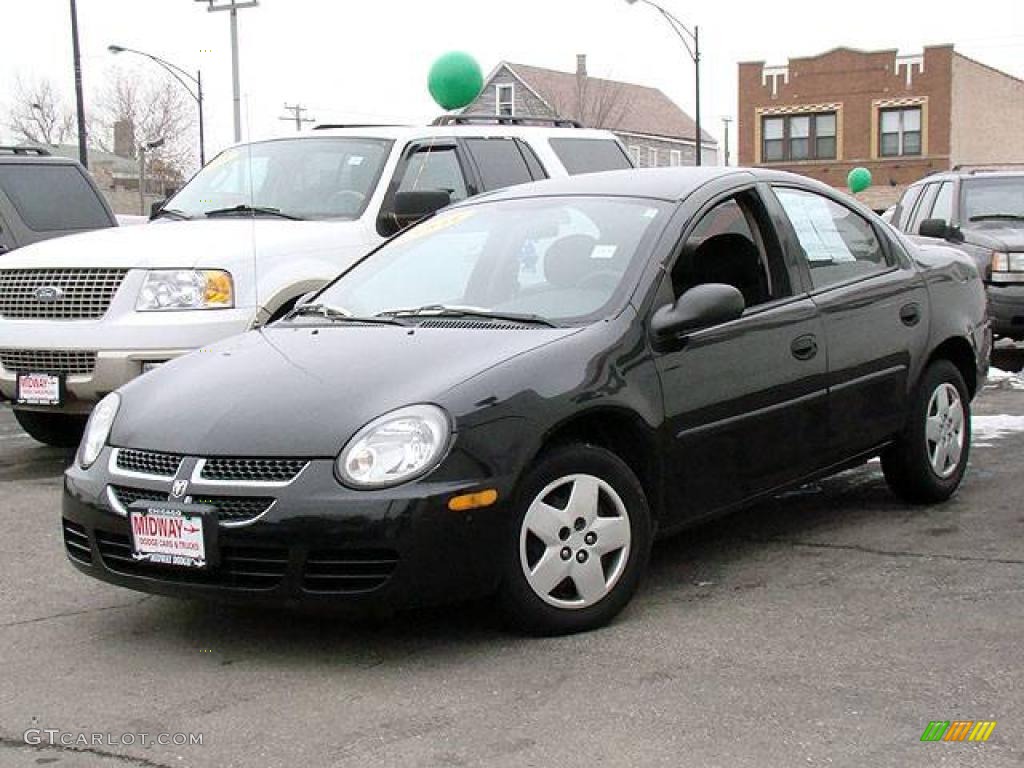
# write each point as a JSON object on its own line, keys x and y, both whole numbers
{"x": 500, "y": 161}
{"x": 590, "y": 155}
{"x": 52, "y": 198}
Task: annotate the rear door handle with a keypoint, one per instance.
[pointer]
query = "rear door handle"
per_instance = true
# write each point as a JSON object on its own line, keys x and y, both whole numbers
{"x": 910, "y": 314}
{"x": 804, "y": 347}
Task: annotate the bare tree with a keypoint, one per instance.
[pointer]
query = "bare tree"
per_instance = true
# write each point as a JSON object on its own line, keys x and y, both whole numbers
{"x": 596, "y": 103}
{"x": 152, "y": 109}
{"x": 40, "y": 114}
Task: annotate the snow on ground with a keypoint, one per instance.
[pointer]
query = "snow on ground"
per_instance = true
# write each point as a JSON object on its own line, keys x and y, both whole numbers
{"x": 985, "y": 428}
{"x": 1004, "y": 379}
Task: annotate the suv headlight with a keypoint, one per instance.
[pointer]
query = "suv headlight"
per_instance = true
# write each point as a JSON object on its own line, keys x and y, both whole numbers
{"x": 395, "y": 448}
{"x": 169, "y": 289}
{"x": 1007, "y": 267}
{"x": 98, "y": 429}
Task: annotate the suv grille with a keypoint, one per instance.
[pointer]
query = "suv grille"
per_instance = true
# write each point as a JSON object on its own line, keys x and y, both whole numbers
{"x": 148, "y": 463}
{"x": 253, "y": 470}
{"x": 241, "y": 567}
{"x": 76, "y": 294}
{"x": 348, "y": 570}
{"x": 48, "y": 361}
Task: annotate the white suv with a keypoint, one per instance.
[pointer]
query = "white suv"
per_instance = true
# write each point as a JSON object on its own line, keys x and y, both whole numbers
{"x": 260, "y": 226}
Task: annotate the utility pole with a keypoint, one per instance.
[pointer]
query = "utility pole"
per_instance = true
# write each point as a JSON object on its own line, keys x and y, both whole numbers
{"x": 234, "y": 6}
{"x": 725, "y": 127}
{"x": 83, "y": 150}
{"x": 297, "y": 110}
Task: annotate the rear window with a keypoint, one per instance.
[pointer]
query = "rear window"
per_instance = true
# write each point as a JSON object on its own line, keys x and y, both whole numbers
{"x": 52, "y": 198}
{"x": 500, "y": 161}
{"x": 590, "y": 155}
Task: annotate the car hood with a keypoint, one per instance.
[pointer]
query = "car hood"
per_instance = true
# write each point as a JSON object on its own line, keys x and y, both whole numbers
{"x": 996, "y": 235}
{"x": 304, "y": 391}
{"x": 213, "y": 243}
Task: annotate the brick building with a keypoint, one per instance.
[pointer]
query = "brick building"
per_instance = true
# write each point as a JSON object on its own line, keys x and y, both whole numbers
{"x": 656, "y": 131}
{"x": 902, "y": 117}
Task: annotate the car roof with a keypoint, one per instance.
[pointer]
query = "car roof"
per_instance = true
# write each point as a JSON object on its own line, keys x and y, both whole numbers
{"x": 409, "y": 132}
{"x": 979, "y": 173}
{"x": 669, "y": 184}
{"x": 20, "y": 159}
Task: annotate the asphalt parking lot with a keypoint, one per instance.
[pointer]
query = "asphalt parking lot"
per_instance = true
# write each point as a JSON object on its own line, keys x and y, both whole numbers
{"x": 826, "y": 627}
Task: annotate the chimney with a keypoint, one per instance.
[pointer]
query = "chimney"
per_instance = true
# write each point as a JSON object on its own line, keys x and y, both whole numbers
{"x": 124, "y": 139}
{"x": 581, "y": 65}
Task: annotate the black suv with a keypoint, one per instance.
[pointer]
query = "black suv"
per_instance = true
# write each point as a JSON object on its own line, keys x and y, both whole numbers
{"x": 42, "y": 196}
{"x": 982, "y": 213}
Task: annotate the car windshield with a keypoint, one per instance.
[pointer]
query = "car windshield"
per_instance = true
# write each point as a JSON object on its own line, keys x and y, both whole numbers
{"x": 321, "y": 178}
{"x": 996, "y": 198}
{"x": 558, "y": 259}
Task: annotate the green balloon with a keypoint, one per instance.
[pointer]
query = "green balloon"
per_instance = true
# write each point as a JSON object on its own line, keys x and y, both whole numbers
{"x": 455, "y": 80}
{"x": 858, "y": 180}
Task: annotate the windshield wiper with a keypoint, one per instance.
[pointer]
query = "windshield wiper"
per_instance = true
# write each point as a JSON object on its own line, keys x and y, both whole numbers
{"x": 252, "y": 210}
{"x": 174, "y": 213}
{"x": 440, "y": 310}
{"x": 1011, "y": 216}
{"x": 337, "y": 315}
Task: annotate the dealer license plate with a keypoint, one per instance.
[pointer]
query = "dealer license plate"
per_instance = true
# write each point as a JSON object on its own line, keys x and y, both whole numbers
{"x": 39, "y": 389}
{"x": 164, "y": 533}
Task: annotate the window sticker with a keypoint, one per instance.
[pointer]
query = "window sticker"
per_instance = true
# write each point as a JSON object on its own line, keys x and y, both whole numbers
{"x": 605, "y": 251}
{"x": 355, "y": 160}
{"x": 815, "y": 228}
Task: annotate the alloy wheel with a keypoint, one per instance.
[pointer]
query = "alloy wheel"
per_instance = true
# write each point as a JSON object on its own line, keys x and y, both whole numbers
{"x": 944, "y": 430}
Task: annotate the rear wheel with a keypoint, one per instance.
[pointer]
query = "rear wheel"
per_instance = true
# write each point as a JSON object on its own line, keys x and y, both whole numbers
{"x": 59, "y": 429}
{"x": 580, "y": 545}
{"x": 928, "y": 461}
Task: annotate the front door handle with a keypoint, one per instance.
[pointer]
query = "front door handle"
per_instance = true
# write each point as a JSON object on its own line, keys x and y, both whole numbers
{"x": 910, "y": 314}
{"x": 804, "y": 347}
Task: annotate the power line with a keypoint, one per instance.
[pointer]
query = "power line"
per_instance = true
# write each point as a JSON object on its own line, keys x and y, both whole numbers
{"x": 297, "y": 110}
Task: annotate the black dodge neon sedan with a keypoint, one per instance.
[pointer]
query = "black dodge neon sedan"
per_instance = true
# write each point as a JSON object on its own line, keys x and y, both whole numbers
{"x": 518, "y": 395}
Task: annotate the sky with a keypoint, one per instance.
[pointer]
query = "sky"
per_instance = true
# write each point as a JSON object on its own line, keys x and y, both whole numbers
{"x": 352, "y": 61}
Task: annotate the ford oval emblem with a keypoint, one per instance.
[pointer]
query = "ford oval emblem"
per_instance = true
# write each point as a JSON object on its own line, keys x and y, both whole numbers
{"x": 48, "y": 294}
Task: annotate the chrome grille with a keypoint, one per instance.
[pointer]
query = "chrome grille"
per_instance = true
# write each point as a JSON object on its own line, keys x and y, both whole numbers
{"x": 253, "y": 470}
{"x": 148, "y": 462}
{"x": 128, "y": 496}
{"x": 77, "y": 294}
{"x": 48, "y": 361}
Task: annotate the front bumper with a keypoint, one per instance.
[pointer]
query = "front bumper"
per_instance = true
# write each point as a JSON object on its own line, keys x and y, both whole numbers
{"x": 319, "y": 543}
{"x": 123, "y": 342}
{"x": 1006, "y": 309}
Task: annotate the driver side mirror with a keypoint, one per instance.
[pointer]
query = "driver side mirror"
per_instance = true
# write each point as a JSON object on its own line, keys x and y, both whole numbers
{"x": 156, "y": 207}
{"x": 939, "y": 229}
{"x": 701, "y": 306}
{"x": 411, "y": 206}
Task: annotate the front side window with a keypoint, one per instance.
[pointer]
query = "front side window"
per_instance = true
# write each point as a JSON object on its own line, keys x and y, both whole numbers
{"x": 838, "y": 243}
{"x": 943, "y": 206}
{"x": 435, "y": 168}
{"x": 798, "y": 137}
{"x": 562, "y": 259}
{"x": 905, "y": 207}
{"x": 505, "y": 101}
{"x": 321, "y": 178}
{"x": 899, "y": 132}
{"x": 994, "y": 200}
{"x": 924, "y": 208}
{"x": 52, "y": 198}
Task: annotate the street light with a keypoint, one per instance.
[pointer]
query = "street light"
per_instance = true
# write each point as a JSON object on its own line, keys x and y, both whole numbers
{"x": 177, "y": 73}
{"x": 686, "y": 35}
{"x": 233, "y": 6}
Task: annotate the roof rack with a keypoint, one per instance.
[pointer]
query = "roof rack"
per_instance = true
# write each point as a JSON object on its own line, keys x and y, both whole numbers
{"x": 38, "y": 151}
{"x": 329, "y": 126}
{"x": 554, "y": 122}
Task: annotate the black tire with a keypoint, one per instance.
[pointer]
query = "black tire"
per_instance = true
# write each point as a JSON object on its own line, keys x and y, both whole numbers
{"x": 523, "y": 608}
{"x": 906, "y": 463}
{"x": 62, "y": 430}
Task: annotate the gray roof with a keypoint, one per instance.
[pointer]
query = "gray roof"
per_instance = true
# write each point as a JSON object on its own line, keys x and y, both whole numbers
{"x": 644, "y": 110}
{"x": 97, "y": 157}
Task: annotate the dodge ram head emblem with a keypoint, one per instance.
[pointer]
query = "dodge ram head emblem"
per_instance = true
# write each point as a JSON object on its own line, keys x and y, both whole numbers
{"x": 179, "y": 488}
{"x": 48, "y": 294}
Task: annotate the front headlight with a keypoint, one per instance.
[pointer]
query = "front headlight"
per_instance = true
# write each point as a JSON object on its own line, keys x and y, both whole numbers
{"x": 98, "y": 429}
{"x": 395, "y": 448}
{"x": 186, "y": 289}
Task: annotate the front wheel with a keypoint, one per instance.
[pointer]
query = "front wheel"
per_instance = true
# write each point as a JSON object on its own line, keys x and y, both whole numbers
{"x": 581, "y": 542}
{"x": 59, "y": 429}
{"x": 927, "y": 462}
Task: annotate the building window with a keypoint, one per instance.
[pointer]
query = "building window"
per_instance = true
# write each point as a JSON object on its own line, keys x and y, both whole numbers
{"x": 635, "y": 153}
{"x": 675, "y": 157}
{"x": 798, "y": 137}
{"x": 652, "y": 157}
{"x": 504, "y": 104}
{"x": 900, "y": 131}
